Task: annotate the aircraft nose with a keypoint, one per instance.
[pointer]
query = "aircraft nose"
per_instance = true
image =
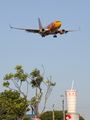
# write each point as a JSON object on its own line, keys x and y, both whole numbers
{"x": 60, "y": 23}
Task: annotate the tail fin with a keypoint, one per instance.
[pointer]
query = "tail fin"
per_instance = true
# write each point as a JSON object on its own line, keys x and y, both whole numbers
{"x": 40, "y": 25}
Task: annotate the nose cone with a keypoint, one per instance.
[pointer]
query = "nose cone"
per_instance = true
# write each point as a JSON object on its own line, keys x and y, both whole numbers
{"x": 60, "y": 23}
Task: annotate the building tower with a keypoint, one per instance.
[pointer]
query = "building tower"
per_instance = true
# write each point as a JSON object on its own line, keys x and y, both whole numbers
{"x": 71, "y": 96}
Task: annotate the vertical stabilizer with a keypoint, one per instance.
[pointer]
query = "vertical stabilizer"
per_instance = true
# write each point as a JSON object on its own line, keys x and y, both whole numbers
{"x": 40, "y": 25}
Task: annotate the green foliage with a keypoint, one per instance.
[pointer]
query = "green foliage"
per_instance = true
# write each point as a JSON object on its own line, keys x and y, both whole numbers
{"x": 18, "y": 67}
{"x": 12, "y": 105}
{"x": 19, "y": 75}
{"x": 35, "y": 81}
{"x": 53, "y": 84}
{"x": 50, "y": 83}
{"x": 5, "y": 84}
{"x": 81, "y": 118}
{"x": 47, "y": 81}
{"x": 34, "y": 100}
{"x": 36, "y": 78}
{"x": 48, "y": 115}
{"x": 8, "y": 76}
{"x": 27, "y": 118}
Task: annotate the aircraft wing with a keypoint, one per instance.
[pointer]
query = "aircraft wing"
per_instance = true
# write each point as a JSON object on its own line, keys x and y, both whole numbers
{"x": 62, "y": 31}
{"x": 72, "y": 30}
{"x": 27, "y": 29}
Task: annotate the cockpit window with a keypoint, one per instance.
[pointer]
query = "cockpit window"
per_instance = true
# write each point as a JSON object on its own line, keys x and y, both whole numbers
{"x": 57, "y": 21}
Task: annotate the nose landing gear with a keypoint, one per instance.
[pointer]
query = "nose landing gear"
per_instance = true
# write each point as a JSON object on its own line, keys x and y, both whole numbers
{"x": 55, "y": 36}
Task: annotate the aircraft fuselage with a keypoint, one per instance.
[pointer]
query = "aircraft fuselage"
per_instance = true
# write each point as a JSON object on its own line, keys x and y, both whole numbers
{"x": 51, "y": 28}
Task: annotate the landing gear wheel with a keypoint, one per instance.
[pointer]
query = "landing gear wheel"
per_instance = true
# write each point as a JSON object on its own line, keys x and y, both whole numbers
{"x": 43, "y": 36}
{"x": 55, "y": 36}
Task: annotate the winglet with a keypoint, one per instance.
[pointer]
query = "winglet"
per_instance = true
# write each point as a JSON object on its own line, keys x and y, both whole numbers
{"x": 10, "y": 25}
{"x": 79, "y": 28}
{"x": 40, "y": 25}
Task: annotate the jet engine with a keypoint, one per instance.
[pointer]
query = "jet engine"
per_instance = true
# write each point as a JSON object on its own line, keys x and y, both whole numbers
{"x": 43, "y": 30}
{"x": 62, "y": 31}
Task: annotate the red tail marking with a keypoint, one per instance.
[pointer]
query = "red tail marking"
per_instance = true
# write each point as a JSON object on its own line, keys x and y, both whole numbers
{"x": 40, "y": 25}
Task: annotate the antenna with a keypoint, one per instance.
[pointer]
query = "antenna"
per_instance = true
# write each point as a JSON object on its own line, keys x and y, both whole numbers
{"x": 72, "y": 85}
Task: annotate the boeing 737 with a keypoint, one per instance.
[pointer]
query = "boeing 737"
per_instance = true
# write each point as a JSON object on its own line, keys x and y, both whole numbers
{"x": 51, "y": 29}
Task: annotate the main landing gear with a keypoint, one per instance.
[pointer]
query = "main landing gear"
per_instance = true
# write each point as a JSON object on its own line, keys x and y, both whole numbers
{"x": 43, "y": 36}
{"x": 55, "y": 36}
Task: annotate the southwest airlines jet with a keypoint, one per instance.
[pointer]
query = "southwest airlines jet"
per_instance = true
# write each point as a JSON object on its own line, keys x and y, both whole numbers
{"x": 51, "y": 29}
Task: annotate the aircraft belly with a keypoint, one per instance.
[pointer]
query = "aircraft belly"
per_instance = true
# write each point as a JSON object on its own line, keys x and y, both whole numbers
{"x": 50, "y": 31}
{"x": 53, "y": 31}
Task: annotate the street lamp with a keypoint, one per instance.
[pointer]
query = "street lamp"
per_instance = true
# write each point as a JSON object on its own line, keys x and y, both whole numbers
{"x": 53, "y": 111}
{"x": 63, "y": 107}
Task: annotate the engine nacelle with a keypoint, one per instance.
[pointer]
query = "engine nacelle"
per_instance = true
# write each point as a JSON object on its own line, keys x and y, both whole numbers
{"x": 43, "y": 30}
{"x": 62, "y": 31}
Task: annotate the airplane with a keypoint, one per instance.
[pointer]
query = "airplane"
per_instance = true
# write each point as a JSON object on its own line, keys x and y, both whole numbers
{"x": 51, "y": 29}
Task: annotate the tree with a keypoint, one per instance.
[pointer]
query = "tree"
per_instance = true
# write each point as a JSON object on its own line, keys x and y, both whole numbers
{"x": 81, "y": 118}
{"x": 33, "y": 79}
{"x": 12, "y": 105}
{"x": 48, "y": 115}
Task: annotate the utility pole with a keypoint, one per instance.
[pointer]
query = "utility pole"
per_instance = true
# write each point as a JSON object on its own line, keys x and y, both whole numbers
{"x": 53, "y": 111}
{"x": 63, "y": 106}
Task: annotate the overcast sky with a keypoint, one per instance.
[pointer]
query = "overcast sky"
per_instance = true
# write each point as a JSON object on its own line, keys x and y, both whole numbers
{"x": 66, "y": 57}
